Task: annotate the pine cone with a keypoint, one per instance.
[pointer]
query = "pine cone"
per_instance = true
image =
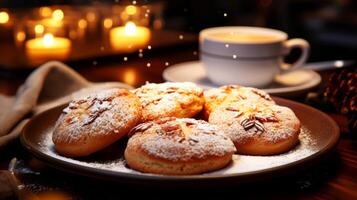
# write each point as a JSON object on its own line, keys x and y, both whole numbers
{"x": 341, "y": 92}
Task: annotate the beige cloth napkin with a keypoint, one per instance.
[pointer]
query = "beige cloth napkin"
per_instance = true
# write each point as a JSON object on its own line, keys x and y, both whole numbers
{"x": 52, "y": 84}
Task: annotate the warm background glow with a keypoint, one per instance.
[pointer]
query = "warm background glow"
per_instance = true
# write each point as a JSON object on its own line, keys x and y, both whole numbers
{"x": 129, "y": 77}
{"x": 20, "y": 36}
{"x": 130, "y": 10}
{"x": 45, "y": 11}
{"x": 82, "y": 23}
{"x": 39, "y": 29}
{"x": 4, "y": 17}
{"x": 108, "y": 23}
{"x": 58, "y": 15}
{"x": 91, "y": 17}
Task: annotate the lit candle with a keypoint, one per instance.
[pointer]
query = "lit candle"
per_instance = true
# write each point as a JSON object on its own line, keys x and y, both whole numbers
{"x": 130, "y": 37}
{"x": 48, "y": 46}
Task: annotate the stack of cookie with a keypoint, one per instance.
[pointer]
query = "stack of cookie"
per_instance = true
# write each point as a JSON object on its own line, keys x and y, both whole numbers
{"x": 165, "y": 128}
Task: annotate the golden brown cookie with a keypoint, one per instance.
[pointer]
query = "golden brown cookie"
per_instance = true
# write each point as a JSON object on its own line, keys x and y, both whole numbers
{"x": 170, "y": 100}
{"x": 229, "y": 94}
{"x": 258, "y": 128}
{"x": 93, "y": 122}
{"x": 178, "y": 146}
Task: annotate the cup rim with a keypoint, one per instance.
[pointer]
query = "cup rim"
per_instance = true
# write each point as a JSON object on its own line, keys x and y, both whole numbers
{"x": 205, "y": 34}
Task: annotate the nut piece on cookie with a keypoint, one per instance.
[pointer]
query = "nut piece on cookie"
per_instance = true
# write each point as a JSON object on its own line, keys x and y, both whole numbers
{"x": 258, "y": 128}
{"x": 231, "y": 94}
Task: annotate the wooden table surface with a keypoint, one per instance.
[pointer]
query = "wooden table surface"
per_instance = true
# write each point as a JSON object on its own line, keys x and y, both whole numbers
{"x": 334, "y": 177}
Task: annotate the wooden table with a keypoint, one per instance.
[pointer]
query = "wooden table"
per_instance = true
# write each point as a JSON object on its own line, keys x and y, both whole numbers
{"x": 334, "y": 177}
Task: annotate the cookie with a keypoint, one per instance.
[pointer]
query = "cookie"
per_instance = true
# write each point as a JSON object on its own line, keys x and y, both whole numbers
{"x": 91, "y": 123}
{"x": 170, "y": 100}
{"x": 229, "y": 94}
{"x": 258, "y": 128}
{"x": 178, "y": 146}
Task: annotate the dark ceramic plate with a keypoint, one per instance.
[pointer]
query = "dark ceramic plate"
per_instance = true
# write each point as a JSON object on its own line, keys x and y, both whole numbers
{"x": 319, "y": 135}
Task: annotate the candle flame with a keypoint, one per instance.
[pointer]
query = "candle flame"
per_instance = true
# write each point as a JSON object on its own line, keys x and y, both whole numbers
{"x": 130, "y": 28}
{"x": 48, "y": 40}
{"x": 58, "y": 15}
{"x": 4, "y": 17}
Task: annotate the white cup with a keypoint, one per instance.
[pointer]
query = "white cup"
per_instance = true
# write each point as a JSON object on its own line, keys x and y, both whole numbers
{"x": 248, "y": 56}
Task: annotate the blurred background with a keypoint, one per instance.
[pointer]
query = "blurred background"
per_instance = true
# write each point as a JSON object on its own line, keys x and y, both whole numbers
{"x": 82, "y": 30}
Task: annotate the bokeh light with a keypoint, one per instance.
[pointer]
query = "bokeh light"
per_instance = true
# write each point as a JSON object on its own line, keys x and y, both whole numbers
{"x": 108, "y": 23}
{"x": 39, "y": 29}
{"x": 4, "y": 17}
{"x": 20, "y": 36}
{"x": 82, "y": 23}
{"x": 130, "y": 10}
{"x": 58, "y": 15}
{"x": 45, "y": 11}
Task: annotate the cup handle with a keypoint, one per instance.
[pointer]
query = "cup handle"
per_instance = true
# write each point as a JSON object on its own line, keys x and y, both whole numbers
{"x": 296, "y": 43}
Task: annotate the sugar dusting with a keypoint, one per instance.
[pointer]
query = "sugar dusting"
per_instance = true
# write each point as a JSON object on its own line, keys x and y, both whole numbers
{"x": 91, "y": 116}
{"x": 285, "y": 127}
{"x": 240, "y": 164}
{"x": 160, "y": 100}
{"x": 181, "y": 143}
{"x": 244, "y": 163}
{"x": 116, "y": 164}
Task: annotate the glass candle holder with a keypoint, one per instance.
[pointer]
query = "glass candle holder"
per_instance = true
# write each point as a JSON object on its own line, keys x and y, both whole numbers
{"x": 46, "y": 39}
{"x": 129, "y": 37}
{"x": 129, "y": 30}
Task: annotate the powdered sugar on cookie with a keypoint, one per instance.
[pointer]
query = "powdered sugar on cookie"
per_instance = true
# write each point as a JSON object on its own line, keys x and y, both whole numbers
{"x": 170, "y": 100}
{"x": 183, "y": 140}
{"x": 94, "y": 117}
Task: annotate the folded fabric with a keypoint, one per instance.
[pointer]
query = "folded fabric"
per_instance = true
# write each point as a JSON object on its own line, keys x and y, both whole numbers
{"x": 52, "y": 84}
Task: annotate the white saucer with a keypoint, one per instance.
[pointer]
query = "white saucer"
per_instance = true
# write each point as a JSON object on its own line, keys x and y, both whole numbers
{"x": 194, "y": 72}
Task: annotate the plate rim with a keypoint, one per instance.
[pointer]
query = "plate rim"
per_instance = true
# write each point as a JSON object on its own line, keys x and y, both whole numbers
{"x": 308, "y": 85}
{"x": 109, "y": 174}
